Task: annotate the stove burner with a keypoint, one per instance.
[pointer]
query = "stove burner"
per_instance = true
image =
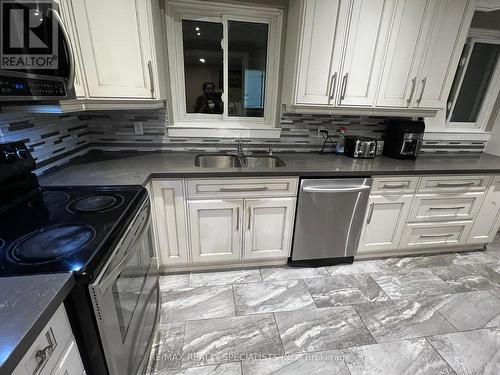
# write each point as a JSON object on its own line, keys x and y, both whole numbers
{"x": 48, "y": 198}
{"x": 2, "y": 243}
{"x": 51, "y": 243}
{"x": 95, "y": 203}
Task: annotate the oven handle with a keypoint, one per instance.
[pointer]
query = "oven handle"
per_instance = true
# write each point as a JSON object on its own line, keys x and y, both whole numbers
{"x": 71, "y": 78}
{"x": 108, "y": 279}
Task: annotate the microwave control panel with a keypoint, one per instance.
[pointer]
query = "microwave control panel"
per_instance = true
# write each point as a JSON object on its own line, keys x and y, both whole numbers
{"x": 30, "y": 87}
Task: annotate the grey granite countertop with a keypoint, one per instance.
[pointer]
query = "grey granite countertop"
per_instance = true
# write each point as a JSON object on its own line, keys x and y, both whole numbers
{"x": 26, "y": 305}
{"x": 136, "y": 168}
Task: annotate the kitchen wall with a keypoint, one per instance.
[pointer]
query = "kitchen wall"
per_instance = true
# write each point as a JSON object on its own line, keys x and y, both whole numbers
{"x": 55, "y": 139}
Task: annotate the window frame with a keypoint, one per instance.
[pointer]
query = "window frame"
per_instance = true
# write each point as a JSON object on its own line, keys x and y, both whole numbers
{"x": 196, "y": 124}
{"x": 477, "y": 36}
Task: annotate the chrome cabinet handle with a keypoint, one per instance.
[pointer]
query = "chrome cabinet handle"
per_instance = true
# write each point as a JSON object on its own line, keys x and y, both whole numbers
{"x": 151, "y": 79}
{"x": 413, "y": 83}
{"x": 237, "y": 218}
{"x": 332, "y": 86}
{"x": 249, "y": 217}
{"x": 400, "y": 186}
{"x": 43, "y": 355}
{"x": 71, "y": 77}
{"x": 344, "y": 86}
{"x": 325, "y": 189}
{"x": 455, "y": 184}
{"x": 424, "y": 81}
{"x": 447, "y": 208}
{"x": 237, "y": 190}
{"x": 370, "y": 213}
{"x": 436, "y": 235}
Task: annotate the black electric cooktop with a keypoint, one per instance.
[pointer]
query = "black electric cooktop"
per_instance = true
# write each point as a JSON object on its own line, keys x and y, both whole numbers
{"x": 61, "y": 229}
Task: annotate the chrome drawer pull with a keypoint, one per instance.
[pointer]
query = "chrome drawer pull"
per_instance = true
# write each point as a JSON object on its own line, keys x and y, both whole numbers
{"x": 436, "y": 235}
{"x": 43, "y": 355}
{"x": 237, "y": 190}
{"x": 370, "y": 213}
{"x": 447, "y": 208}
{"x": 455, "y": 184}
{"x": 400, "y": 186}
{"x": 237, "y": 218}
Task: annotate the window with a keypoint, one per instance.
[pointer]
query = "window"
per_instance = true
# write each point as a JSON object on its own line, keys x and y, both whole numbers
{"x": 224, "y": 65}
{"x": 476, "y": 85}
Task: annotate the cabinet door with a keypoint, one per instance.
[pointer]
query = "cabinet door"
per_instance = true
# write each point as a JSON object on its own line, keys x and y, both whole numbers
{"x": 315, "y": 53}
{"x": 402, "y": 60}
{"x": 442, "y": 55}
{"x": 170, "y": 221}
{"x": 366, "y": 39}
{"x": 215, "y": 228}
{"x": 70, "y": 363}
{"x": 69, "y": 21}
{"x": 487, "y": 222}
{"x": 268, "y": 227}
{"x": 385, "y": 220}
{"x": 116, "y": 47}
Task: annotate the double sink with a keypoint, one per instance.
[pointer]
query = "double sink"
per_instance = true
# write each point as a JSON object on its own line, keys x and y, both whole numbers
{"x": 237, "y": 161}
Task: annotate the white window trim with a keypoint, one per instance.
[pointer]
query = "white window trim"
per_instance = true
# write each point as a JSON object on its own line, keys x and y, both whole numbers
{"x": 478, "y": 36}
{"x": 199, "y": 125}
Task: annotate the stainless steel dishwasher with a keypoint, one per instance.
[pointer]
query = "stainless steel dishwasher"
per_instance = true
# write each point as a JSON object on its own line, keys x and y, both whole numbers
{"x": 330, "y": 215}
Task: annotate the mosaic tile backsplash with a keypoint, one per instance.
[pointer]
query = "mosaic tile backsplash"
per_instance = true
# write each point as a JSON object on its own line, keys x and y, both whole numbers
{"x": 56, "y": 139}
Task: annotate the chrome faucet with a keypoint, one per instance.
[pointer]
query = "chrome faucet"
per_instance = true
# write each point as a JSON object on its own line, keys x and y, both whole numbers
{"x": 240, "y": 152}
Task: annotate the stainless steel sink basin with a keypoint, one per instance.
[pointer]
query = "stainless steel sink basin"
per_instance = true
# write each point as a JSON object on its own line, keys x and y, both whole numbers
{"x": 255, "y": 161}
{"x": 217, "y": 161}
{"x": 233, "y": 161}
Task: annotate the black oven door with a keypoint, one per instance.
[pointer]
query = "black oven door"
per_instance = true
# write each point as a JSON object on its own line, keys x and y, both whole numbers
{"x": 28, "y": 72}
{"x": 126, "y": 298}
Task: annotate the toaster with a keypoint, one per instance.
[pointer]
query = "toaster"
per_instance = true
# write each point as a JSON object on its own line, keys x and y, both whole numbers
{"x": 360, "y": 147}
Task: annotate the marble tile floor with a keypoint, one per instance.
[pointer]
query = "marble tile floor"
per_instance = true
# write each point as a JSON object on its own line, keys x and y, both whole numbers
{"x": 430, "y": 314}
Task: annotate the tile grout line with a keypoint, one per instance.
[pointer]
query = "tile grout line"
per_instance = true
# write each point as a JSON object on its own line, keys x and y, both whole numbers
{"x": 439, "y": 354}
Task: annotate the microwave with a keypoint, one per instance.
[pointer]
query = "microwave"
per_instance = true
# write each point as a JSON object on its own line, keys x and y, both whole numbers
{"x": 29, "y": 72}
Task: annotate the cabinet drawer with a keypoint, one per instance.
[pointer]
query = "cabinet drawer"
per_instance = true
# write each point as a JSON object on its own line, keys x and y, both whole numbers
{"x": 444, "y": 207}
{"x": 70, "y": 363}
{"x": 453, "y": 183}
{"x": 48, "y": 347}
{"x": 241, "y": 187}
{"x": 435, "y": 234}
{"x": 393, "y": 185}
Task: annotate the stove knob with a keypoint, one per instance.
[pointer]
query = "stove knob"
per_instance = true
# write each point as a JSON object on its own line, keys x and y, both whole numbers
{"x": 9, "y": 156}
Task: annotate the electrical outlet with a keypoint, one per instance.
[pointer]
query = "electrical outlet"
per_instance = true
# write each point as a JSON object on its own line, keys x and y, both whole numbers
{"x": 138, "y": 129}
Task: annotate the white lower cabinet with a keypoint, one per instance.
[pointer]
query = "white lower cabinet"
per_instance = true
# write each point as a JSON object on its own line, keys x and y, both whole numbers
{"x": 384, "y": 223}
{"x": 215, "y": 229}
{"x": 451, "y": 212}
{"x": 54, "y": 351}
{"x": 487, "y": 222}
{"x": 198, "y": 222}
{"x": 268, "y": 227}
{"x": 169, "y": 216}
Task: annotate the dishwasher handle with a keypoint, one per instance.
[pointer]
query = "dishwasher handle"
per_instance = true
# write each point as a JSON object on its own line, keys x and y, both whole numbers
{"x": 333, "y": 189}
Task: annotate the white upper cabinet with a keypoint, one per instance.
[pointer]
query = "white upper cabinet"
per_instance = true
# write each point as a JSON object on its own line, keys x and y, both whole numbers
{"x": 424, "y": 49}
{"x": 402, "y": 61}
{"x": 116, "y": 42}
{"x": 365, "y": 40}
{"x": 317, "y": 44}
{"x": 443, "y": 51}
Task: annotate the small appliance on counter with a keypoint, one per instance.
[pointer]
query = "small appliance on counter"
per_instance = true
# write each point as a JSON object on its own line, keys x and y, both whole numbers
{"x": 403, "y": 138}
{"x": 360, "y": 147}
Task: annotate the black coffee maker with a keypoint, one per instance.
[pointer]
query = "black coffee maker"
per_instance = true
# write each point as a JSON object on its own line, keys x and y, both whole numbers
{"x": 403, "y": 138}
